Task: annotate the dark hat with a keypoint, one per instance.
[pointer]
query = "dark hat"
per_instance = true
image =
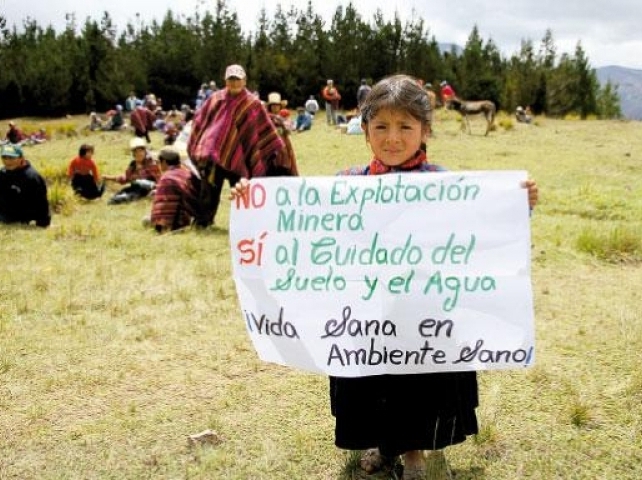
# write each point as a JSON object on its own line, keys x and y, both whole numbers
{"x": 11, "y": 151}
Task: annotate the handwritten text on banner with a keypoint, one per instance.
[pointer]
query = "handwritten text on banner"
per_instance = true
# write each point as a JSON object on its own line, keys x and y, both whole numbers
{"x": 399, "y": 273}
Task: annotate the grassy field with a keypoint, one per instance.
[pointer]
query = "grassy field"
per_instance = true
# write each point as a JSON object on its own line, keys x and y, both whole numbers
{"x": 117, "y": 344}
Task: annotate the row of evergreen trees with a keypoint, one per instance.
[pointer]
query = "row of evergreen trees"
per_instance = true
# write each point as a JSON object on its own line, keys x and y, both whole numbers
{"x": 94, "y": 65}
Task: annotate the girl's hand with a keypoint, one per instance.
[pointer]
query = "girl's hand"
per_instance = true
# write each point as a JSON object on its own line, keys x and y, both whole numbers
{"x": 533, "y": 192}
{"x": 239, "y": 189}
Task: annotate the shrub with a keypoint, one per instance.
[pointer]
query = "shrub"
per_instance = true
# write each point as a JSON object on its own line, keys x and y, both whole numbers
{"x": 620, "y": 245}
{"x": 572, "y": 116}
{"x": 61, "y": 198}
{"x": 506, "y": 123}
{"x": 53, "y": 174}
{"x": 67, "y": 130}
{"x": 580, "y": 415}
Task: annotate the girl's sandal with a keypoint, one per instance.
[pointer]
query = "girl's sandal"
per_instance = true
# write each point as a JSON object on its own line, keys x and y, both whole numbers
{"x": 372, "y": 461}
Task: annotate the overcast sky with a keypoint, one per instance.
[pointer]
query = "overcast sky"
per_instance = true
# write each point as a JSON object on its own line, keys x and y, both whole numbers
{"x": 610, "y": 33}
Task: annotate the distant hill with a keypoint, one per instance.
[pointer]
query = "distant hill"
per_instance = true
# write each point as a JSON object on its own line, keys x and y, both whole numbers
{"x": 629, "y": 88}
{"x": 449, "y": 47}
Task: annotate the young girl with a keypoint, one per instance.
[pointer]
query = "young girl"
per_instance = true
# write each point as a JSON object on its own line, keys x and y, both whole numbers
{"x": 83, "y": 173}
{"x": 392, "y": 416}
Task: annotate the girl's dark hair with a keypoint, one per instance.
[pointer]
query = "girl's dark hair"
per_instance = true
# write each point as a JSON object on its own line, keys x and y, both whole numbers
{"x": 84, "y": 148}
{"x": 397, "y": 92}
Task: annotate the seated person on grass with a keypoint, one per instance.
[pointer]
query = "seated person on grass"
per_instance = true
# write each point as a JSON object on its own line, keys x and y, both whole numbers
{"x": 176, "y": 202}
{"x": 23, "y": 191}
{"x": 141, "y": 175}
{"x": 115, "y": 121}
{"x": 84, "y": 176}
{"x": 14, "y": 135}
{"x": 303, "y": 120}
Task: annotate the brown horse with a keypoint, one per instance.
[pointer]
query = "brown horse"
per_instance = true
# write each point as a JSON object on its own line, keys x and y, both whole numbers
{"x": 467, "y": 108}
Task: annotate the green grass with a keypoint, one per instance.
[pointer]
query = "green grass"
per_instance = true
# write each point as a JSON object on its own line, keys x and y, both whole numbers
{"x": 117, "y": 344}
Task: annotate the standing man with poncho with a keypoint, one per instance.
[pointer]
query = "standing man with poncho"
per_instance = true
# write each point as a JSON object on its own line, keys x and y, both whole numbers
{"x": 232, "y": 138}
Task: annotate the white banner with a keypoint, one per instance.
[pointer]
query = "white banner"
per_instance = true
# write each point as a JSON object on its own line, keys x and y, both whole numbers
{"x": 399, "y": 273}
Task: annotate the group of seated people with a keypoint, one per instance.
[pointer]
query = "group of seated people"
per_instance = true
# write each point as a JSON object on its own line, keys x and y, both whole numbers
{"x": 143, "y": 120}
{"x": 173, "y": 187}
{"x": 278, "y": 108}
{"x": 114, "y": 120}
{"x": 16, "y": 136}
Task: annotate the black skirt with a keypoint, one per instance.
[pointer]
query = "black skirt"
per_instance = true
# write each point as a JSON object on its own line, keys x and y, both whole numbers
{"x": 399, "y": 413}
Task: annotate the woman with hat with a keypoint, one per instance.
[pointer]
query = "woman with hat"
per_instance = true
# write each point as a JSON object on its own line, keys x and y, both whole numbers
{"x": 276, "y": 108}
{"x": 142, "y": 174}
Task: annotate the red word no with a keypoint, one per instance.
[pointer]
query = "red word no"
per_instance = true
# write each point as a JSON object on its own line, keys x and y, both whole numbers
{"x": 254, "y": 196}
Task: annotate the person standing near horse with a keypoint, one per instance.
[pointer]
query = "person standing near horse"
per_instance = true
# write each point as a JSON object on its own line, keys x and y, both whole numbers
{"x": 232, "y": 136}
{"x": 332, "y": 97}
{"x": 362, "y": 92}
{"x": 432, "y": 99}
{"x": 447, "y": 93}
{"x": 401, "y": 415}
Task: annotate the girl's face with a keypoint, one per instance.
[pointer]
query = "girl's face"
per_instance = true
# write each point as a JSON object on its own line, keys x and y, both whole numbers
{"x": 394, "y": 136}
